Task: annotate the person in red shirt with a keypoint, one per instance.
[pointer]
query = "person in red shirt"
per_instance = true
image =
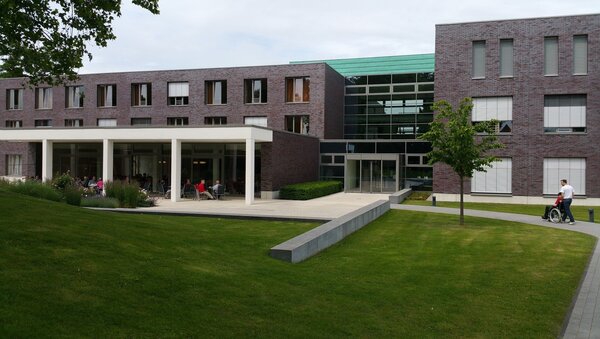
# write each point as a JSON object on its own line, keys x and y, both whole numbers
{"x": 201, "y": 189}
{"x": 549, "y": 207}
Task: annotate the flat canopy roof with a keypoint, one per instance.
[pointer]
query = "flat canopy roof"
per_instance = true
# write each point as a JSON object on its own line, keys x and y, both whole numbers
{"x": 144, "y": 134}
{"x": 398, "y": 64}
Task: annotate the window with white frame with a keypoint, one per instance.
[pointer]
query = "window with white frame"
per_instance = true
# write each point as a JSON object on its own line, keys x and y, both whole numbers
{"x": 256, "y": 121}
{"x": 215, "y": 120}
{"x": 141, "y": 94}
{"x": 74, "y": 96}
{"x": 14, "y": 123}
{"x": 106, "y": 122}
{"x": 141, "y": 121}
{"x": 297, "y": 89}
{"x": 178, "y": 121}
{"x": 506, "y": 57}
{"x": 43, "y": 98}
{"x": 42, "y": 123}
{"x": 296, "y": 124}
{"x": 496, "y": 179}
{"x": 580, "y": 54}
{"x": 73, "y": 122}
{"x": 478, "y": 59}
{"x": 255, "y": 91}
{"x": 551, "y": 56}
{"x": 216, "y": 92}
{"x": 107, "y": 95}
{"x": 556, "y": 169}
{"x": 565, "y": 113}
{"x": 14, "y": 98}
{"x": 490, "y": 108}
{"x": 179, "y": 93}
{"x": 14, "y": 165}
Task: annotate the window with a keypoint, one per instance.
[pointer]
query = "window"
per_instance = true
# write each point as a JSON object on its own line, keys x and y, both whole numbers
{"x": 297, "y": 89}
{"x": 43, "y": 98}
{"x": 572, "y": 169}
{"x": 215, "y": 120}
{"x": 296, "y": 124}
{"x": 141, "y": 121}
{"x": 178, "y": 93}
{"x": 43, "y": 123}
{"x": 74, "y": 96}
{"x": 478, "y": 59}
{"x": 107, "y": 95}
{"x": 73, "y": 122}
{"x": 496, "y": 179}
{"x": 564, "y": 113}
{"x": 177, "y": 121}
{"x": 506, "y": 57}
{"x": 256, "y": 121}
{"x": 106, "y": 122}
{"x": 255, "y": 91}
{"x": 580, "y": 54}
{"x": 14, "y": 165}
{"x": 14, "y": 99}
{"x": 551, "y": 56}
{"x": 141, "y": 94}
{"x": 216, "y": 92}
{"x": 14, "y": 123}
{"x": 498, "y": 108}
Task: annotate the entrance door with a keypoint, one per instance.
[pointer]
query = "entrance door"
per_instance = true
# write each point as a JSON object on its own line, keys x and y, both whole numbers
{"x": 370, "y": 176}
{"x": 375, "y": 174}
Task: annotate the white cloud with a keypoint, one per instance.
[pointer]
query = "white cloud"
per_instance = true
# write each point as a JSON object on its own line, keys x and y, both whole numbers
{"x": 201, "y": 34}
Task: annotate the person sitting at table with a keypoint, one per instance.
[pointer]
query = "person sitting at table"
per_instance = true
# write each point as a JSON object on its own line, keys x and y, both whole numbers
{"x": 218, "y": 189}
{"x": 201, "y": 189}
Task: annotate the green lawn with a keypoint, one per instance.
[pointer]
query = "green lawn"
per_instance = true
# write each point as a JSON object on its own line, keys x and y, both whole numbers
{"x": 579, "y": 212}
{"x": 70, "y": 272}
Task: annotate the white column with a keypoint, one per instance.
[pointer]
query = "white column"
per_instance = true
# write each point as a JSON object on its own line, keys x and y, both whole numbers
{"x": 107, "y": 160}
{"x": 250, "y": 148}
{"x": 46, "y": 160}
{"x": 175, "y": 170}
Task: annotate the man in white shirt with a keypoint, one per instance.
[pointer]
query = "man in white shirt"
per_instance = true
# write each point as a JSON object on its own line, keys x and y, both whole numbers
{"x": 566, "y": 191}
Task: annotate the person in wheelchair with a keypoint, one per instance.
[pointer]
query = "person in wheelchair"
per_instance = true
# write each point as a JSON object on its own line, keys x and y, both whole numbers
{"x": 557, "y": 204}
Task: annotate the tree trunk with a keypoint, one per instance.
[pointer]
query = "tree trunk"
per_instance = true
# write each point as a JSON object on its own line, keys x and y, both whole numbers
{"x": 462, "y": 202}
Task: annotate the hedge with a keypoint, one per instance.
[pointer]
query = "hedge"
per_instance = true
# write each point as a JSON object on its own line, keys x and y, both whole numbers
{"x": 310, "y": 190}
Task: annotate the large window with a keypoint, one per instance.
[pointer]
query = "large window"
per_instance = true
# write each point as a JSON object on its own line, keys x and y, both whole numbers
{"x": 141, "y": 121}
{"x": 216, "y": 92}
{"x": 564, "y": 113}
{"x": 215, "y": 120}
{"x": 43, "y": 98}
{"x": 496, "y": 179}
{"x": 141, "y": 94}
{"x": 14, "y": 165}
{"x": 14, "y": 123}
{"x": 107, "y": 122}
{"x": 14, "y": 98}
{"x": 74, "y": 96}
{"x": 42, "y": 123}
{"x": 556, "y": 169}
{"x": 297, "y": 89}
{"x": 498, "y": 108}
{"x": 73, "y": 122}
{"x": 296, "y": 123}
{"x": 179, "y": 93}
{"x": 478, "y": 59}
{"x": 107, "y": 95}
{"x": 178, "y": 121}
{"x": 580, "y": 54}
{"x": 257, "y": 121}
{"x": 551, "y": 55}
{"x": 506, "y": 58}
{"x": 255, "y": 91}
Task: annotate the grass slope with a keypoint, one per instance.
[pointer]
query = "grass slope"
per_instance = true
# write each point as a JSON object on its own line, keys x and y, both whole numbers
{"x": 69, "y": 272}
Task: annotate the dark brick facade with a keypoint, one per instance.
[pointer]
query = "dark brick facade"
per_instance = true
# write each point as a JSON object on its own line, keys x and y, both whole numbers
{"x": 527, "y": 145}
{"x": 289, "y": 159}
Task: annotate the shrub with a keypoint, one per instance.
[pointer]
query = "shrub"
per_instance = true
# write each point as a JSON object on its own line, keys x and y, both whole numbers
{"x": 99, "y": 201}
{"x": 310, "y": 190}
{"x": 63, "y": 181}
{"x": 128, "y": 195}
{"x": 73, "y": 195}
{"x": 419, "y": 196}
{"x": 34, "y": 189}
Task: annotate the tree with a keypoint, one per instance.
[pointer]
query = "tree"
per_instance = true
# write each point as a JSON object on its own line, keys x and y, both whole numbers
{"x": 460, "y": 144}
{"x": 46, "y": 40}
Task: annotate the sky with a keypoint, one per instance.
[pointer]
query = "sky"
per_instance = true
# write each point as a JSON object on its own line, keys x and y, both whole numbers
{"x": 228, "y": 33}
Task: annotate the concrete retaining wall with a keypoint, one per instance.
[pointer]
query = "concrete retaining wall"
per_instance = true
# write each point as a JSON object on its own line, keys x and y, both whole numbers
{"x": 398, "y": 197}
{"x": 314, "y": 241}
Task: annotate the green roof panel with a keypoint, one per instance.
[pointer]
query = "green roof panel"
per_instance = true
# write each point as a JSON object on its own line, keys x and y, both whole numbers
{"x": 398, "y": 64}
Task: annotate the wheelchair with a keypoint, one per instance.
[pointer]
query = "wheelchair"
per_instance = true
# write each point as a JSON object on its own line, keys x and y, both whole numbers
{"x": 556, "y": 213}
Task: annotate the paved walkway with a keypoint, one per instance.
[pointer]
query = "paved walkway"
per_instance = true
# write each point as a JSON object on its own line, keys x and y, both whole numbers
{"x": 584, "y": 320}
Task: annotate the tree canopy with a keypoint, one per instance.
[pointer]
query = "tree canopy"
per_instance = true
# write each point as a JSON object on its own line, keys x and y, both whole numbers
{"x": 47, "y": 40}
{"x": 460, "y": 144}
